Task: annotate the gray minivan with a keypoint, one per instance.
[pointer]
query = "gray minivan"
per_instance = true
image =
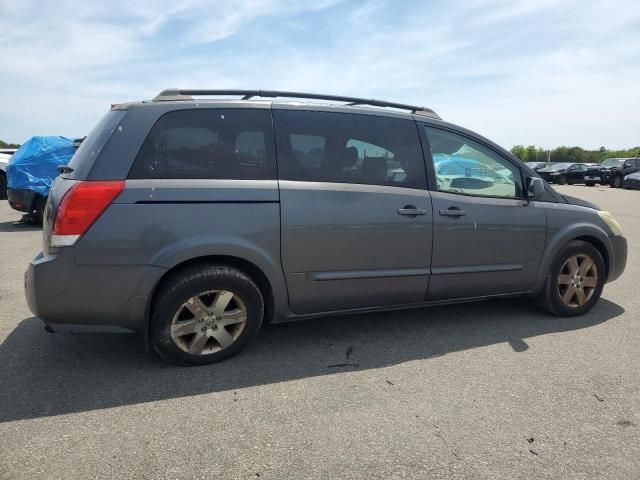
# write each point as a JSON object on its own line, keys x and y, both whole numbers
{"x": 194, "y": 221}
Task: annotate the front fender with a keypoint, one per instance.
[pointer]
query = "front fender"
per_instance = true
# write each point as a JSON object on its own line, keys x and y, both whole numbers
{"x": 558, "y": 238}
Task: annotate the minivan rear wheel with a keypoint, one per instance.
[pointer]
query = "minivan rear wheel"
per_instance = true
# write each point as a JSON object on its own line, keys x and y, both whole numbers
{"x": 575, "y": 281}
{"x": 205, "y": 315}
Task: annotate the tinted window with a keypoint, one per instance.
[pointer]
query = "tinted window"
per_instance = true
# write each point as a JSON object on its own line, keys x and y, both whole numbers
{"x": 211, "y": 143}
{"x": 464, "y": 166}
{"x": 92, "y": 145}
{"x": 348, "y": 148}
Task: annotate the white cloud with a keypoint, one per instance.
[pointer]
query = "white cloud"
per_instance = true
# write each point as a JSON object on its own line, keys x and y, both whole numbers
{"x": 561, "y": 72}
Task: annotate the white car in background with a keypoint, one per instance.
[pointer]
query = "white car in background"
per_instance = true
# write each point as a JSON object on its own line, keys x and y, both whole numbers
{"x": 5, "y": 155}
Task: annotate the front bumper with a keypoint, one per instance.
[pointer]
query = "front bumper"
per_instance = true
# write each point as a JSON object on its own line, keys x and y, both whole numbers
{"x": 75, "y": 298}
{"x": 618, "y": 263}
{"x": 605, "y": 177}
{"x": 22, "y": 199}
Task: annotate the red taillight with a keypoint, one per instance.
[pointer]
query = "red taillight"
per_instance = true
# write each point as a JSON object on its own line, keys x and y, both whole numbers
{"x": 80, "y": 207}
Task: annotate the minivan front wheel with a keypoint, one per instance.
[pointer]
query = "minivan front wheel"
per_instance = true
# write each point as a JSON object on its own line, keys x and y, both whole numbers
{"x": 575, "y": 281}
{"x": 206, "y": 315}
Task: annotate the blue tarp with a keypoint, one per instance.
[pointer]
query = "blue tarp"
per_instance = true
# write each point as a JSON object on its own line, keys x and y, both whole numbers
{"x": 34, "y": 165}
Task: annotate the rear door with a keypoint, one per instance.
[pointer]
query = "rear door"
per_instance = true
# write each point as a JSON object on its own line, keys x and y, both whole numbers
{"x": 356, "y": 221}
{"x": 576, "y": 173}
{"x": 487, "y": 238}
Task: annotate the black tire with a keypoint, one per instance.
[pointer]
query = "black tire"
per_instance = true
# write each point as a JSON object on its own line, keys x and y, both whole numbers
{"x": 3, "y": 186}
{"x": 589, "y": 184}
{"x": 38, "y": 213}
{"x": 549, "y": 297}
{"x": 616, "y": 182}
{"x": 562, "y": 180}
{"x": 177, "y": 290}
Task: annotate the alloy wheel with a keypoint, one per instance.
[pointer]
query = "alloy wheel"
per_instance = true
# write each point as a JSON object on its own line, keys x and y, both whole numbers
{"x": 577, "y": 280}
{"x": 209, "y": 322}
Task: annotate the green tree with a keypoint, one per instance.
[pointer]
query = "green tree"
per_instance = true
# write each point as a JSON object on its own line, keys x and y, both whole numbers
{"x": 519, "y": 151}
{"x": 532, "y": 153}
{"x": 571, "y": 154}
{"x": 8, "y": 145}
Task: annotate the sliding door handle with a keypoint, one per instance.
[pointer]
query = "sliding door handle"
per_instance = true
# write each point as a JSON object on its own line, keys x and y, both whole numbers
{"x": 411, "y": 211}
{"x": 453, "y": 212}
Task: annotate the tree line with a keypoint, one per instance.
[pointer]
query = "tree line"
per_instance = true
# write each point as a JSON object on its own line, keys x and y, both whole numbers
{"x": 8, "y": 145}
{"x": 532, "y": 153}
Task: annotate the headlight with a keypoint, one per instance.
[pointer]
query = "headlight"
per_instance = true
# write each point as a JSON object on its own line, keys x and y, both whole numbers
{"x": 611, "y": 222}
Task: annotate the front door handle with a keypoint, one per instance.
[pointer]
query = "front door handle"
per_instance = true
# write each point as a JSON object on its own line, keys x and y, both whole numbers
{"x": 411, "y": 211}
{"x": 453, "y": 212}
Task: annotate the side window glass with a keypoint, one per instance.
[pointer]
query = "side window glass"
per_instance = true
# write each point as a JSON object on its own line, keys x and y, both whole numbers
{"x": 464, "y": 166}
{"x": 308, "y": 150}
{"x": 208, "y": 143}
{"x": 348, "y": 148}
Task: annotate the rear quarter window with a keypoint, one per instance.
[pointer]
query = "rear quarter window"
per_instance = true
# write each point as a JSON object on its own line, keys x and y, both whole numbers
{"x": 91, "y": 147}
{"x": 208, "y": 144}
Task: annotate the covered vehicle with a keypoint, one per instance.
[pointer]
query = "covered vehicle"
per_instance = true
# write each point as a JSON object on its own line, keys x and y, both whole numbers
{"x": 32, "y": 170}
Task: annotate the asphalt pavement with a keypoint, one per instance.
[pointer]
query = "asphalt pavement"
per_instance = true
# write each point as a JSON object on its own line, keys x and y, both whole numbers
{"x": 492, "y": 390}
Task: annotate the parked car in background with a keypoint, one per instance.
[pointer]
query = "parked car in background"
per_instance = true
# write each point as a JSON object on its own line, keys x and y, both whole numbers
{"x": 5, "y": 155}
{"x": 31, "y": 172}
{"x": 632, "y": 181}
{"x": 596, "y": 173}
{"x": 537, "y": 166}
{"x": 173, "y": 221}
{"x": 564, "y": 173}
{"x": 614, "y": 176}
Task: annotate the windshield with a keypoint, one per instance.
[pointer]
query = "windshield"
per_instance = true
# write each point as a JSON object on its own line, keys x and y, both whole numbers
{"x": 612, "y": 162}
{"x": 559, "y": 166}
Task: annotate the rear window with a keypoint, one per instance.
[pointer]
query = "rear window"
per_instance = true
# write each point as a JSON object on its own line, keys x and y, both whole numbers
{"x": 209, "y": 144}
{"x": 84, "y": 158}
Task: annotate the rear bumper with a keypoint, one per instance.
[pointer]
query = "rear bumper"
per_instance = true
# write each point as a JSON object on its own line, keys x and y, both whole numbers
{"x": 618, "y": 263}
{"x": 83, "y": 298}
{"x": 22, "y": 199}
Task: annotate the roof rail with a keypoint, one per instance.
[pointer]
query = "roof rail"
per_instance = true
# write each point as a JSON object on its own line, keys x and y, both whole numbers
{"x": 173, "y": 94}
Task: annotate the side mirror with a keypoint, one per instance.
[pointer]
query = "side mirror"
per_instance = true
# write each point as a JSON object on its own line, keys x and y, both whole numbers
{"x": 535, "y": 187}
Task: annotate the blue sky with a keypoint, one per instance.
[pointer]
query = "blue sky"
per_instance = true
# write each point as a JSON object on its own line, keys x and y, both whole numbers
{"x": 542, "y": 72}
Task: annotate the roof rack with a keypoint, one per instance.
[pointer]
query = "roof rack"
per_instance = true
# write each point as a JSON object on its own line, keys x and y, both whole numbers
{"x": 173, "y": 94}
